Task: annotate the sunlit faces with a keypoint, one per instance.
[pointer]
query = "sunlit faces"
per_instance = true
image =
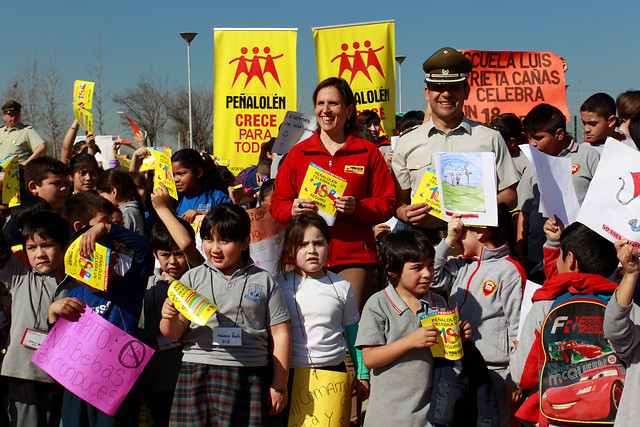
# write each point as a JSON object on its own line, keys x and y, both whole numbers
{"x": 447, "y": 99}
{"x": 187, "y": 180}
{"x": 85, "y": 179}
{"x": 416, "y": 277}
{"x": 311, "y": 255}
{"x": 12, "y": 119}
{"x": 173, "y": 263}
{"x": 53, "y": 189}
{"x": 331, "y": 111}
{"x": 596, "y": 127}
{"x": 550, "y": 144}
{"x": 224, "y": 254}
{"x": 44, "y": 254}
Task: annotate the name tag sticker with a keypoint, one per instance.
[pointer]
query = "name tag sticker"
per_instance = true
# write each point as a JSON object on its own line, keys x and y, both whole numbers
{"x": 227, "y": 336}
{"x": 33, "y": 338}
{"x": 165, "y": 343}
{"x": 354, "y": 169}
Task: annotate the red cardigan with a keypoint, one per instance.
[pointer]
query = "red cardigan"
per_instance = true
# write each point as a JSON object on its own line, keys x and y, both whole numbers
{"x": 352, "y": 240}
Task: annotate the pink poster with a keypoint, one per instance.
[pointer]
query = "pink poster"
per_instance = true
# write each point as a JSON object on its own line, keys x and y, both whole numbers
{"x": 93, "y": 359}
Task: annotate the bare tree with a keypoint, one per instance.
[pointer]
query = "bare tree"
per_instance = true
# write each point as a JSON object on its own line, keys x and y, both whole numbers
{"x": 24, "y": 88}
{"x": 52, "y": 107}
{"x": 95, "y": 71}
{"x": 202, "y": 114}
{"x": 146, "y": 104}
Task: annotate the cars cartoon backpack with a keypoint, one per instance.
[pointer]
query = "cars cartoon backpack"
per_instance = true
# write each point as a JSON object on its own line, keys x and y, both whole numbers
{"x": 581, "y": 378}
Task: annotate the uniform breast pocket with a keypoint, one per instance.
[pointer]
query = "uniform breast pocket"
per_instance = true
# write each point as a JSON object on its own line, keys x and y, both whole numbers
{"x": 416, "y": 172}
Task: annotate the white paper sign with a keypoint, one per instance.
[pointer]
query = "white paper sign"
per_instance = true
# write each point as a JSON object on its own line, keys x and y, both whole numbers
{"x": 295, "y": 127}
{"x": 529, "y": 289}
{"x": 467, "y": 183}
{"x": 611, "y": 207}
{"x": 557, "y": 193}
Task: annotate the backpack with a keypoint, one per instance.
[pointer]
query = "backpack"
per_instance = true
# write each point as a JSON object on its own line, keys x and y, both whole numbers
{"x": 581, "y": 378}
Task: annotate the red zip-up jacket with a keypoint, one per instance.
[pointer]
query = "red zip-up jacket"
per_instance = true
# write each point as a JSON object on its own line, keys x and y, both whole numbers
{"x": 370, "y": 183}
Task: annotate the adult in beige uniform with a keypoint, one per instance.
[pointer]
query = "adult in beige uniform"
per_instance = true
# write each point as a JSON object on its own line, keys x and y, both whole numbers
{"x": 18, "y": 138}
{"x": 448, "y": 130}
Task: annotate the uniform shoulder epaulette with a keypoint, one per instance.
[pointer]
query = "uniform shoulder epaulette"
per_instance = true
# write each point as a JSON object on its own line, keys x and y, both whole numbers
{"x": 406, "y": 131}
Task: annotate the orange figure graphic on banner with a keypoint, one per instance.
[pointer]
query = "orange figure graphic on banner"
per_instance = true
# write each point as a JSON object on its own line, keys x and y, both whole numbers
{"x": 358, "y": 64}
{"x": 255, "y": 70}
{"x": 242, "y": 65}
{"x": 345, "y": 64}
{"x": 372, "y": 58}
{"x": 269, "y": 64}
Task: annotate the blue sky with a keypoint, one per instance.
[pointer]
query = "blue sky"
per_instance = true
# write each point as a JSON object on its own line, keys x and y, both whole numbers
{"x": 597, "y": 39}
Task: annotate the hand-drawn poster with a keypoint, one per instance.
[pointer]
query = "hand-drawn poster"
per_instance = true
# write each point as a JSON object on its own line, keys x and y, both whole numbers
{"x": 557, "y": 193}
{"x": 295, "y": 127}
{"x": 93, "y": 359}
{"x": 467, "y": 183}
{"x": 320, "y": 397}
{"x": 267, "y": 235}
{"x": 612, "y": 206}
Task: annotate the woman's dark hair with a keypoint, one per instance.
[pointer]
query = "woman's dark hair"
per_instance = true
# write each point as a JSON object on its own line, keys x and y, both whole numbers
{"x": 367, "y": 116}
{"x": 228, "y": 221}
{"x": 294, "y": 236}
{"x": 362, "y": 132}
{"x": 404, "y": 246}
{"x": 193, "y": 160}
{"x": 121, "y": 181}
{"x": 347, "y": 96}
{"x": 82, "y": 161}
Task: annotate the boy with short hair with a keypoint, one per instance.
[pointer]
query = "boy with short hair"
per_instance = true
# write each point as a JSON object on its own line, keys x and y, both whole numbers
{"x": 394, "y": 345}
{"x": 621, "y": 320}
{"x": 86, "y": 208}
{"x": 546, "y": 127}
{"x": 34, "y": 397}
{"x": 598, "y": 113}
{"x": 48, "y": 178}
{"x": 577, "y": 260}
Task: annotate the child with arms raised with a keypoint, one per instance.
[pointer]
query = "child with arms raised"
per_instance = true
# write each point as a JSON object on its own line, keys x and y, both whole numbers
{"x": 394, "y": 344}
{"x": 34, "y": 397}
{"x": 231, "y": 384}
{"x": 322, "y": 304}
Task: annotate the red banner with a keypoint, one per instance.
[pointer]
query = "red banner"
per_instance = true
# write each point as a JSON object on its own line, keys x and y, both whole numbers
{"x": 513, "y": 82}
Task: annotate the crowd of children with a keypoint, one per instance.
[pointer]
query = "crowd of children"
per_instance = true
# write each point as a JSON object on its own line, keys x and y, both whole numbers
{"x": 305, "y": 316}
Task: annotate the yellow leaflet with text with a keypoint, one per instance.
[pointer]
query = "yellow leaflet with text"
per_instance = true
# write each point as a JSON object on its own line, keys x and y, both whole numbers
{"x": 254, "y": 86}
{"x": 449, "y": 343}
{"x": 149, "y": 162}
{"x": 83, "y": 93}
{"x": 11, "y": 181}
{"x": 124, "y": 162}
{"x": 322, "y": 187}
{"x": 363, "y": 55}
{"x": 92, "y": 270}
{"x": 428, "y": 192}
{"x": 192, "y": 305}
{"x": 85, "y": 118}
{"x": 320, "y": 397}
{"x": 164, "y": 173}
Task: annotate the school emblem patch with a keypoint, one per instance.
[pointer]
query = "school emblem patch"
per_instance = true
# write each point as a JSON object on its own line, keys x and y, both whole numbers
{"x": 574, "y": 168}
{"x": 254, "y": 292}
{"x": 489, "y": 287}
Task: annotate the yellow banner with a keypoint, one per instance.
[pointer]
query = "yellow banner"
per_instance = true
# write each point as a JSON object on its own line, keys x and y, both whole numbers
{"x": 320, "y": 397}
{"x": 11, "y": 181}
{"x": 83, "y": 92}
{"x": 363, "y": 55}
{"x": 92, "y": 270}
{"x": 254, "y": 86}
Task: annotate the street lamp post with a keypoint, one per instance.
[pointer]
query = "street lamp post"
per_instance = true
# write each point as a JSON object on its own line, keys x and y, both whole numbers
{"x": 188, "y": 37}
{"x": 400, "y": 59}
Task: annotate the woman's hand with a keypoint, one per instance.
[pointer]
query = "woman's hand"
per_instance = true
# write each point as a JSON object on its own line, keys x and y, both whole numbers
{"x": 346, "y": 205}
{"x": 302, "y": 205}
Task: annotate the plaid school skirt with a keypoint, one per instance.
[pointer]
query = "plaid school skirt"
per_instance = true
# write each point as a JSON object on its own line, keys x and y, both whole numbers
{"x": 224, "y": 396}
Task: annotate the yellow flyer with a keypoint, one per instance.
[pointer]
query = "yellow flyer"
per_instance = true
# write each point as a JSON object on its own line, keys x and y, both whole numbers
{"x": 124, "y": 162}
{"x": 364, "y": 55}
{"x": 428, "y": 192}
{"x": 85, "y": 118}
{"x": 83, "y": 92}
{"x": 449, "y": 343}
{"x": 254, "y": 86}
{"x": 92, "y": 270}
{"x": 164, "y": 173}
{"x": 149, "y": 162}
{"x": 320, "y": 397}
{"x": 192, "y": 305}
{"x": 11, "y": 181}
{"x": 322, "y": 187}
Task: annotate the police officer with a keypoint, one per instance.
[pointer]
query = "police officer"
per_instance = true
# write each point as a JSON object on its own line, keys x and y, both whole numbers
{"x": 448, "y": 130}
{"x": 18, "y": 138}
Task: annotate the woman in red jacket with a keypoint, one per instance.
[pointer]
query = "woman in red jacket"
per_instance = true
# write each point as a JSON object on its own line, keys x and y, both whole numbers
{"x": 368, "y": 199}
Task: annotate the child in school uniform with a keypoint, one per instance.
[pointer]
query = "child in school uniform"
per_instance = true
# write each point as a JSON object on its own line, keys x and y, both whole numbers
{"x": 231, "y": 384}
{"x": 394, "y": 344}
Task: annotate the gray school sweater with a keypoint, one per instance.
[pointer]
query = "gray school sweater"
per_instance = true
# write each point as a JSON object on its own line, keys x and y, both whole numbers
{"x": 622, "y": 329}
{"x": 488, "y": 293}
{"x": 32, "y": 294}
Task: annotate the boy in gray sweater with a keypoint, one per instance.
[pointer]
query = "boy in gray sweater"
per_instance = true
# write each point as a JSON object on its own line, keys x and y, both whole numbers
{"x": 622, "y": 329}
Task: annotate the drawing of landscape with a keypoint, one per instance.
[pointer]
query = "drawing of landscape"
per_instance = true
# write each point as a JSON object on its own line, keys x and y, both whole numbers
{"x": 462, "y": 181}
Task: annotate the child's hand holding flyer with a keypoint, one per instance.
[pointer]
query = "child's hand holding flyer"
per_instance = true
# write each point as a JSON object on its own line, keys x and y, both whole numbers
{"x": 449, "y": 343}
